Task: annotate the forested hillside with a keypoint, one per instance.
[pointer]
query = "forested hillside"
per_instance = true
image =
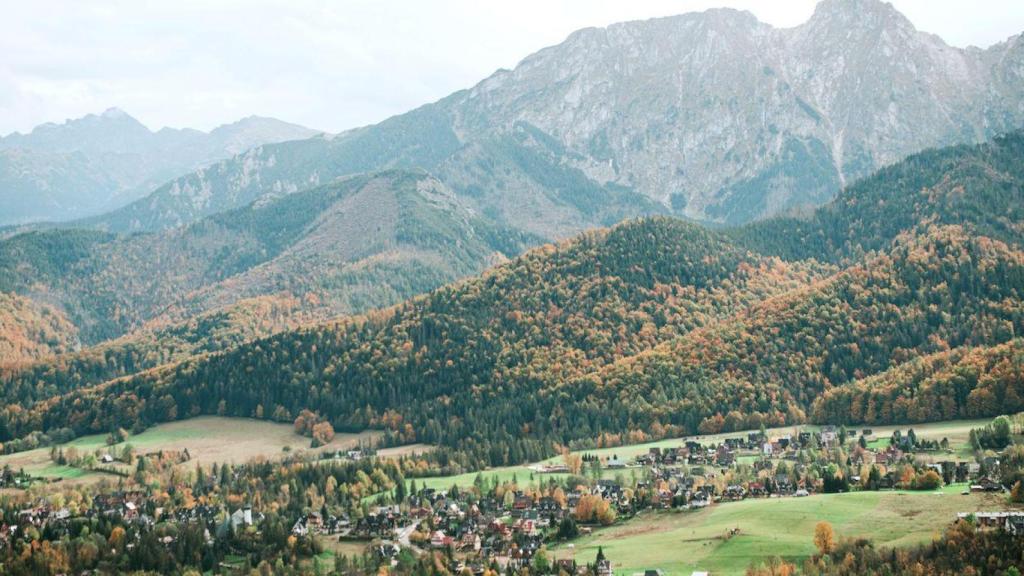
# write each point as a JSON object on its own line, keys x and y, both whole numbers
{"x": 366, "y": 242}
{"x": 962, "y": 382}
{"x": 470, "y": 360}
{"x": 940, "y": 290}
{"x": 978, "y": 187}
{"x": 650, "y": 328}
{"x": 30, "y": 330}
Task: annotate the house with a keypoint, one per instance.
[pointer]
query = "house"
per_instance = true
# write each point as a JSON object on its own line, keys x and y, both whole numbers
{"x": 241, "y": 517}
{"x": 439, "y": 540}
{"x": 567, "y": 565}
{"x": 615, "y": 463}
{"x": 734, "y": 492}
{"x": 470, "y": 542}
{"x": 986, "y": 484}
{"x": 1015, "y": 525}
{"x": 828, "y": 435}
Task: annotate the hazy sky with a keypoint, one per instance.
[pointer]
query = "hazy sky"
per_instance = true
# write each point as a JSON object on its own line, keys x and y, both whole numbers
{"x": 329, "y": 65}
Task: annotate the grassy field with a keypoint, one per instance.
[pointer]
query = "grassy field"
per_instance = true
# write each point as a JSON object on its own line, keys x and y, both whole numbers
{"x": 955, "y": 431}
{"x": 681, "y": 542}
{"x": 208, "y": 439}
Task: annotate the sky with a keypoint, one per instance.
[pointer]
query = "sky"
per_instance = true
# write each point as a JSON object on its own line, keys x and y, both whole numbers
{"x": 329, "y": 65}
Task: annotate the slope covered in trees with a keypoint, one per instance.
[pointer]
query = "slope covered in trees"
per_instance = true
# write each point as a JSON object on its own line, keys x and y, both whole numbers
{"x": 940, "y": 290}
{"x": 49, "y": 375}
{"x": 365, "y": 242}
{"x": 465, "y": 365}
{"x": 980, "y": 188}
{"x": 962, "y": 382}
{"x": 30, "y": 330}
{"x": 650, "y": 328}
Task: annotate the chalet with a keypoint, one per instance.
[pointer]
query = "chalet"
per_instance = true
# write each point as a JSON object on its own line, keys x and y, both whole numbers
{"x": 986, "y": 484}
{"x": 554, "y": 469}
{"x": 439, "y": 540}
{"x": 470, "y": 542}
{"x": 567, "y": 565}
{"x": 1011, "y": 522}
{"x": 608, "y": 489}
{"x": 387, "y": 551}
{"x": 828, "y": 435}
{"x": 724, "y": 456}
{"x": 548, "y": 505}
{"x": 1015, "y": 525}
{"x": 241, "y": 517}
{"x": 700, "y": 499}
{"x": 522, "y": 502}
{"x": 783, "y": 486}
{"x": 615, "y": 463}
{"x": 734, "y": 492}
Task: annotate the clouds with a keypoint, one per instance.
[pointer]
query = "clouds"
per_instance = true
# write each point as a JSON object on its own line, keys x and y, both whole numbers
{"x": 328, "y": 64}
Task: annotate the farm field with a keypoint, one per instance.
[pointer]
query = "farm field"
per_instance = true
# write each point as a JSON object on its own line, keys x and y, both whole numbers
{"x": 682, "y": 542}
{"x": 208, "y": 439}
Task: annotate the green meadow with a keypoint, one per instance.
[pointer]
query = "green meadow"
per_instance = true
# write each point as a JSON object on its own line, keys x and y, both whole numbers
{"x": 682, "y": 542}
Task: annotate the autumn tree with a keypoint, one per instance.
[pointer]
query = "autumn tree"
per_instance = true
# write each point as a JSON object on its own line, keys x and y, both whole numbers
{"x": 323, "y": 433}
{"x": 824, "y": 538}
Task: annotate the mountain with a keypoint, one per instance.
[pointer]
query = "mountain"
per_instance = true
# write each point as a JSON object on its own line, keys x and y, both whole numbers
{"x": 979, "y": 187}
{"x": 99, "y": 162}
{"x": 654, "y": 327}
{"x": 364, "y": 242}
{"x": 714, "y": 116}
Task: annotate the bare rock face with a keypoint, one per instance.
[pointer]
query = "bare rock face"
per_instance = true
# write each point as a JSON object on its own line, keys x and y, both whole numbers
{"x": 714, "y": 116}
{"x": 729, "y": 119}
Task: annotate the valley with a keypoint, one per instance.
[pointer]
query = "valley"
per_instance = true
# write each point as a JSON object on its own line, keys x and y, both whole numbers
{"x": 696, "y": 294}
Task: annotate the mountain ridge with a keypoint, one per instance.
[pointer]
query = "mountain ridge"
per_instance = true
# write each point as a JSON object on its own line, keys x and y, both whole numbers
{"x": 713, "y": 116}
{"x": 91, "y": 164}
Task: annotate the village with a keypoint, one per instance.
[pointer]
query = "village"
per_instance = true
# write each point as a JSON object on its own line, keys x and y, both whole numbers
{"x": 510, "y": 525}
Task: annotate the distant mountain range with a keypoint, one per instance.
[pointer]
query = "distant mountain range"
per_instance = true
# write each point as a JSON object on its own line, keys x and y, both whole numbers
{"x": 714, "y": 116}
{"x": 100, "y": 162}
